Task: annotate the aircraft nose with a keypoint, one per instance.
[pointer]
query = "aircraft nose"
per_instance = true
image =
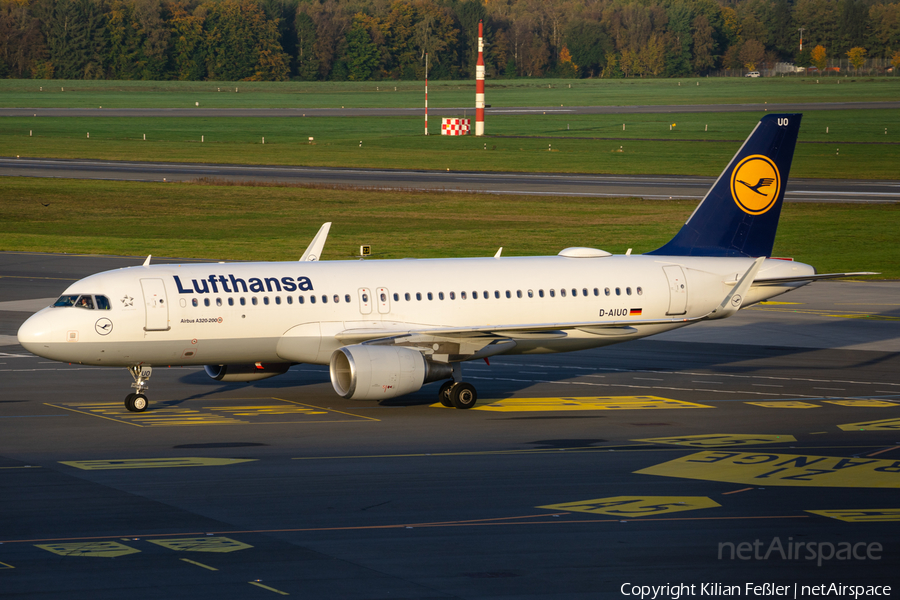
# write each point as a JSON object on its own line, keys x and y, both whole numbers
{"x": 34, "y": 333}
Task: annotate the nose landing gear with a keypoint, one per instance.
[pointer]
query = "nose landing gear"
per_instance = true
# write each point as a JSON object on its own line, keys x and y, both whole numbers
{"x": 137, "y": 402}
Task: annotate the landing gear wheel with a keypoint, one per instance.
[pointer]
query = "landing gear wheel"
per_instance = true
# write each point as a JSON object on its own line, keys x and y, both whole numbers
{"x": 136, "y": 402}
{"x": 463, "y": 395}
{"x": 444, "y": 394}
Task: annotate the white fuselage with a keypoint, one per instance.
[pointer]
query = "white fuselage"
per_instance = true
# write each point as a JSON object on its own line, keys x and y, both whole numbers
{"x": 220, "y": 313}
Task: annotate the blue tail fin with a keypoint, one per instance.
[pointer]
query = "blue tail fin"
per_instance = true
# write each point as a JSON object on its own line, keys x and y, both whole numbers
{"x": 739, "y": 215}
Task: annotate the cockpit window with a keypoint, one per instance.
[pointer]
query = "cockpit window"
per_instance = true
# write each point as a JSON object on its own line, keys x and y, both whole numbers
{"x": 85, "y": 301}
{"x": 66, "y": 301}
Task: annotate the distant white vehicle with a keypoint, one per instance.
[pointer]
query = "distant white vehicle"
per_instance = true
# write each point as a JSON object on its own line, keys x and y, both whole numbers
{"x": 752, "y": 74}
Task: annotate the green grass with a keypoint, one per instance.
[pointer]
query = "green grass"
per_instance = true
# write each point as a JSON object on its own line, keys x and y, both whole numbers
{"x": 499, "y": 92}
{"x": 699, "y": 144}
{"x": 276, "y": 223}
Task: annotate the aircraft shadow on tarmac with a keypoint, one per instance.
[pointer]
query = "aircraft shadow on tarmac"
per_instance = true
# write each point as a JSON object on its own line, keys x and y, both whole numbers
{"x": 655, "y": 355}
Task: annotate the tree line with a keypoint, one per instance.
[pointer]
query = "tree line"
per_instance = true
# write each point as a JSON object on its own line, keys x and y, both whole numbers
{"x": 277, "y": 40}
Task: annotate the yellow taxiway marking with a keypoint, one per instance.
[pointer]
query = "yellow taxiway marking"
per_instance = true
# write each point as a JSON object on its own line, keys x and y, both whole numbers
{"x": 91, "y": 549}
{"x": 584, "y": 403}
{"x": 3, "y": 565}
{"x": 784, "y": 404}
{"x": 265, "y": 587}
{"x": 202, "y": 544}
{"x": 867, "y": 403}
{"x": 152, "y": 463}
{"x": 782, "y": 469}
{"x": 194, "y": 562}
{"x": 880, "y": 425}
{"x": 713, "y": 440}
{"x": 863, "y": 515}
{"x": 636, "y": 506}
{"x": 257, "y": 411}
{"x": 774, "y": 303}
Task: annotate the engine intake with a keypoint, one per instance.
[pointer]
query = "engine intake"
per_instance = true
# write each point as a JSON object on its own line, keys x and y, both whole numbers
{"x": 247, "y": 372}
{"x": 364, "y": 372}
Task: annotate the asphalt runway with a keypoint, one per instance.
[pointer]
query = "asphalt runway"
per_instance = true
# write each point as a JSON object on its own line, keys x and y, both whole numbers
{"x": 198, "y": 111}
{"x": 650, "y": 187}
{"x": 702, "y": 457}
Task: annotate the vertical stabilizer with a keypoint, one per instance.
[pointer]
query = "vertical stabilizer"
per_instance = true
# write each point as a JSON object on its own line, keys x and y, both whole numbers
{"x": 739, "y": 215}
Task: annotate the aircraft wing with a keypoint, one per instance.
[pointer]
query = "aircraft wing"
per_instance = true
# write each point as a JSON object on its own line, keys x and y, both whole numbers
{"x": 528, "y": 330}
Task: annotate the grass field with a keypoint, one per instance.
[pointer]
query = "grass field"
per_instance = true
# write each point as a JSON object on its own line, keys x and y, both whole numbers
{"x": 856, "y": 145}
{"x": 276, "y": 223}
{"x": 499, "y": 92}
{"x": 271, "y": 223}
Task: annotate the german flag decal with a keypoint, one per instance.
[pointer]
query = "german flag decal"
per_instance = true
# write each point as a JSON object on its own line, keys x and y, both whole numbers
{"x": 635, "y": 312}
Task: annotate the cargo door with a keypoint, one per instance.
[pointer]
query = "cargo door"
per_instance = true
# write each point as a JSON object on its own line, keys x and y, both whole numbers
{"x": 156, "y": 305}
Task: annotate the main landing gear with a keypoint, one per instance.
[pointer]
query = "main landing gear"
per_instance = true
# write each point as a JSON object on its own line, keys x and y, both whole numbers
{"x": 137, "y": 402}
{"x": 458, "y": 394}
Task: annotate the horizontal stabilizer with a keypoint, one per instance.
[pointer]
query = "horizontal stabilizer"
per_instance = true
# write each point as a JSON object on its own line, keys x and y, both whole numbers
{"x": 798, "y": 278}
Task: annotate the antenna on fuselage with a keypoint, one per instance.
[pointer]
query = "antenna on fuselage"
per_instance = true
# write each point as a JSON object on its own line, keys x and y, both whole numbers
{"x": 147, "y": 262}
{"x": 500, "y": 251}
{"x": 314, "y": 251}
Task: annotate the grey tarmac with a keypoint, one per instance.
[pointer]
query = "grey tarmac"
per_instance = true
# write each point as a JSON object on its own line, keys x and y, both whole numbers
{"x": 567, "y": 481}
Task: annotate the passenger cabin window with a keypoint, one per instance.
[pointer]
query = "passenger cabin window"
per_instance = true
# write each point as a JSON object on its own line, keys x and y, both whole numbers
{"x": 418, "y": 295}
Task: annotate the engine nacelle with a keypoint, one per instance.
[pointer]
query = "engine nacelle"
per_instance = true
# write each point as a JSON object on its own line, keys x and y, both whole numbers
{"x": 247, "y": 372}
{"x": 365, "y": 372}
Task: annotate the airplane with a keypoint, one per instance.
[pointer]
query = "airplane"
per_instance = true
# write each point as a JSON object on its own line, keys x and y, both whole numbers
{"x": 386, "y": 328}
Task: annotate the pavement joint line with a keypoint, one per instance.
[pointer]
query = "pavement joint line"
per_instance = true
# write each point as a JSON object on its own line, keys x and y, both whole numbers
{"x": 551, "y": 518}
{"x": 884, "y": 450}
{"x": 737, "y": 491}
{"x": 579, "y": 450}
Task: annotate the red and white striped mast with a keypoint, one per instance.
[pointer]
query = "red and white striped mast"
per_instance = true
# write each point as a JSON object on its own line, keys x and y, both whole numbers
{"x": 479, "y": 84}
{"x": 426, "y": 93}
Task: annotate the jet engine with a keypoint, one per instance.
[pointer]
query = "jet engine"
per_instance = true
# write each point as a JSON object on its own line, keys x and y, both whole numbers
{"x": 365, "y": 372}
{"x": 247, "y": 372}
